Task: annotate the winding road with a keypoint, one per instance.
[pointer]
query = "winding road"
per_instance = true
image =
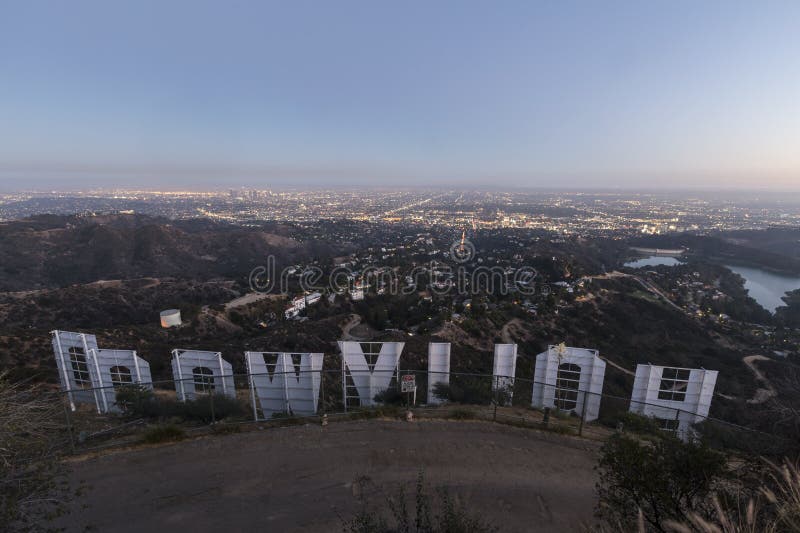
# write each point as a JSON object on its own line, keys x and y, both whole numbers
{"x": 763, "y": 394}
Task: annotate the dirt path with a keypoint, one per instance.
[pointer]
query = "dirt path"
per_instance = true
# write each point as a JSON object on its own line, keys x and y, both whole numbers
{"x": 761, "y": 395}
{"x": 305, "y": 478}
{"x": 505, "y": 333}
{"x": 657, "y": 292}
{"x": 620, "y": 368}
{"x": 768, "y": 391}
{"x": 249, "y": 298}
{"x": 646, "y": 285}
{"x": 353, "y": 322}
{"x": 221, "y": 320}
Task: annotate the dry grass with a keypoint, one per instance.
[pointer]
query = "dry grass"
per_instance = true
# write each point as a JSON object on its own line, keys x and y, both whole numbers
{"x": 786, "y": 496}
{"x": 778, "y": 513}
{"x": 32, "y": 431}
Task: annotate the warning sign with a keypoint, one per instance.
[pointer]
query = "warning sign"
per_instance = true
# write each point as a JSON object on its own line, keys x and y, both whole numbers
{"x": 408, "y": 383}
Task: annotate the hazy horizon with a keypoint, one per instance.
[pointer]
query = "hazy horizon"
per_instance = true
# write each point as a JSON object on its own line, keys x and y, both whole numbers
{"x": 685, "y": 192}
{"x": 619, "y": 96}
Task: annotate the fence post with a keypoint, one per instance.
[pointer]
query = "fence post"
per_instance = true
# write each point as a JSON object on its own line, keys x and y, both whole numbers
{"x": 252, "y": 386}
{"x": 69, "y": 426}
{"x": 213, "y": 415}
{"x": 583, "y": 413}
{"x": 344, "y": 385}
{"x": 321, "y": 387}
{"x": 496, "y": 389}
{"x": 253, "y": 399}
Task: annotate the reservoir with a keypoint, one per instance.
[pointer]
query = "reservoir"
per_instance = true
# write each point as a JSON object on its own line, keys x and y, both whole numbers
{"x": 765, "y": 287}
{"x": 653, "y": 260}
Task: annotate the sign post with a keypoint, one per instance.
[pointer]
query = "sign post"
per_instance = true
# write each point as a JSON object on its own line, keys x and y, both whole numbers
{"x": 408, "y": 385}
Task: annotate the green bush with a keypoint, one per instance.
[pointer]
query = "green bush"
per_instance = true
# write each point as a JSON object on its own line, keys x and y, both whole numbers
{"x": 465, "y": 389}
{"x": 207, "y": 408}
{"x": 667, "y": 479}
{"x": 133, "y": 399}
{"x": 288, "y": 419}
{"x": 140, "y": 402}
{"x": 473, "y": 390}
{"x": 390, "y": 396}
{"x": 632, "y": 422}
{"x": 163, "y": 433}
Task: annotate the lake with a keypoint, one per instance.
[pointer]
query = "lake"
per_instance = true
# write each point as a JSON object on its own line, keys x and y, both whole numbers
{"x": 765, "y": 287}
{"x": 653, "y": 260}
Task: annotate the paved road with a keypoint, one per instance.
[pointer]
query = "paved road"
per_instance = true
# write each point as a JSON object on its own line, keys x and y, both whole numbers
{"x": 302, "y": 478}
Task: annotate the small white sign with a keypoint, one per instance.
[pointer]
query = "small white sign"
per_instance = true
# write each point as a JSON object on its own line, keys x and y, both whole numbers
{"x": 408, "y": 383}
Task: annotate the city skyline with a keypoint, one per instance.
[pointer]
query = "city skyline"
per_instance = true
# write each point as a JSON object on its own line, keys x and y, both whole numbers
{"x": 620, "y": 96}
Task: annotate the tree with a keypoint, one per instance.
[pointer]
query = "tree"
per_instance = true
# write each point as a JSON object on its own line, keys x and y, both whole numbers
{"x": 667, "y": 479}
{"x": 33, "y": 485}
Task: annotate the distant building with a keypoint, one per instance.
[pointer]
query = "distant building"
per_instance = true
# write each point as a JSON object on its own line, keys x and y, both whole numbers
{"x": 300, "y": 303}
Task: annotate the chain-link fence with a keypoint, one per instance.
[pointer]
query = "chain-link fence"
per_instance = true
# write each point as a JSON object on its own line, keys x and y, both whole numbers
{"x": 131, "y": 411}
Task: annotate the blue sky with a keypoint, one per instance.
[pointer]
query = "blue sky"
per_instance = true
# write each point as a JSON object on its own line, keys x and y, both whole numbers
{"x": 540, "y": 94}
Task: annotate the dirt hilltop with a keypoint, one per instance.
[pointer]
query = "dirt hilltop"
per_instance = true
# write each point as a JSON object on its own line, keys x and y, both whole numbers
{"x": 307, "y": 478}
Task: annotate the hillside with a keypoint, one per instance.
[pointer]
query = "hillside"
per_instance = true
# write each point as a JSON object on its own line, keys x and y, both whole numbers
{"x": 776, "y": 249}
{"x": 55, "y": 251}
{"x": 111, "y": 275}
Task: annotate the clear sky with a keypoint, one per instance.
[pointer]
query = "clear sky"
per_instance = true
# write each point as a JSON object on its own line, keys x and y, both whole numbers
{"x": 638, "y": 94}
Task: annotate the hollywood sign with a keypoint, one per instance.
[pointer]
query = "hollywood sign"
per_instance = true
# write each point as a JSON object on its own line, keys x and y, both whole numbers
{"x": 565, "y": 378}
